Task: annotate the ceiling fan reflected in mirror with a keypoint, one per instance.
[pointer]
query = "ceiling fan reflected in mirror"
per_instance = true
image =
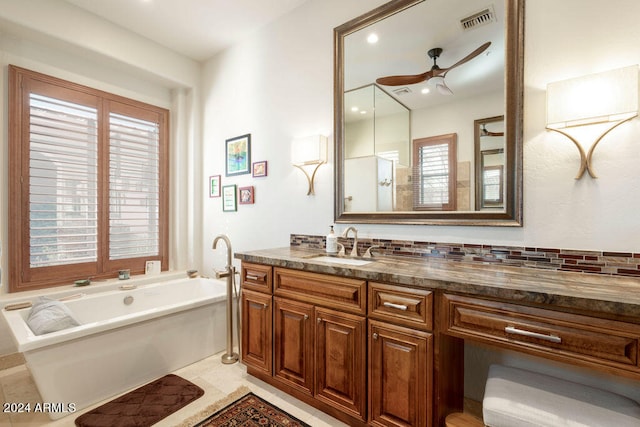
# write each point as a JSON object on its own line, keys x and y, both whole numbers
{"x": 435, "y": 76}
{"x": 485, "y": 132}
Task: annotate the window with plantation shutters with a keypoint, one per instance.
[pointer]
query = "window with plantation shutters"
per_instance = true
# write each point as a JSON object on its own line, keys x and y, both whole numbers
{"x": 63, "y": 182}
{"x": 88, "y": 173}
{"x": 134, "y": 200}
{"x": 434, "y": 173}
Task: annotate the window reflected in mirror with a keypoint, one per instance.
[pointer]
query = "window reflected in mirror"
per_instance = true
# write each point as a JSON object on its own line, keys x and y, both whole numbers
{"x": 434, "y": 175}
{"x": 490, "y": 163}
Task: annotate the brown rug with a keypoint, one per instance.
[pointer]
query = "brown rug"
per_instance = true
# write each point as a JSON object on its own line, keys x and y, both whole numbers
{"x": 143, "y": 406}
{"x": 251, "y": 410}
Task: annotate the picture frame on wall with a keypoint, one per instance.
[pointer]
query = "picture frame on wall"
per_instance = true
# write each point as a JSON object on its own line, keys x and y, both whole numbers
{"x": 229, "y": 198}
{"x": 238, "y": 155}
{"x": 259, "y": 169}
{"x": 247, "y": 195}
{"x": 214, "y": 186}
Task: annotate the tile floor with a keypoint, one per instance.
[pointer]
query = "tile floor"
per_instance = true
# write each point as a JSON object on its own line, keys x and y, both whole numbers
{"x": 218, "y": 380}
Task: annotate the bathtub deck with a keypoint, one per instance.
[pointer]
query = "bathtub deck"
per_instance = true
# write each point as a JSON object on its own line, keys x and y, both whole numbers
{"x": 216, "y": 379}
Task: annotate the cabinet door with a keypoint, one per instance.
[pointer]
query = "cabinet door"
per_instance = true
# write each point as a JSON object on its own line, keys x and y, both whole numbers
{"x": 293, "y": 343}
{"x": 400, "y": 363}
{"x": 257, "y": 330}
{"x": 341, "y": 361}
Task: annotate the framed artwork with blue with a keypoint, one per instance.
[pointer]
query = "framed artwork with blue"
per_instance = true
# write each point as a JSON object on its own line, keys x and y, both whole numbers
{"x": 238, "y": 155}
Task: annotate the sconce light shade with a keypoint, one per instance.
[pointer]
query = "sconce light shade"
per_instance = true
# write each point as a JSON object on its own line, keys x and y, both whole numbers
{"x": 608, "y": 97}
{"x": 597, "y": 98}
{"x": 309, "y": 151}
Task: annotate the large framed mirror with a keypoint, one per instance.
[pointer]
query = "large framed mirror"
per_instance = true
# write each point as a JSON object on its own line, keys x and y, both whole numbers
{"x": 406, "y": 109}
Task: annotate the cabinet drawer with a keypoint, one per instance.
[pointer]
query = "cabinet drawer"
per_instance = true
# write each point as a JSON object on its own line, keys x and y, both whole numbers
{"x": 257, "y": 277}
{"x": 321, "y": 289}
{"x": 404, "y": 306}
{"x": 534, "y": 330}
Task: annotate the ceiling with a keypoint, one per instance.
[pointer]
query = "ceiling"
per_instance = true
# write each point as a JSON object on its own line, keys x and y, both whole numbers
{"x": 197, "y": 29}
{"x": 406, "y": 37}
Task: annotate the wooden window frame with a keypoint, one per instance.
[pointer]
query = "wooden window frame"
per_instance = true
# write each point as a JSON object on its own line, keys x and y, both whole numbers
{"x": 22, "y": 276}
{"x": 451, "y": 141}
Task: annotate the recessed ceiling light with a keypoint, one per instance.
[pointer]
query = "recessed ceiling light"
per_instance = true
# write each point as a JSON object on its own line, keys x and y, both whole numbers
{"x": 425, "y": 90}
{"x": 373, "y": 38}
{"x": 354, "y": 109}
{"x": 363, "y": 112}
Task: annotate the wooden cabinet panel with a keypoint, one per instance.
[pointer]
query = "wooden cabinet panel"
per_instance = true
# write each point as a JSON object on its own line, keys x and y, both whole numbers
{"x": 534, "y": 330}
{"x": 293, "y": 343}
{"x": 341, "y": 361}
{"x": 400, "y": 376}
{"x": 320, "y": 289}
{"x": 405, "y": 306}
{"x": 256, "y": 277}
{"x": 257, "y": 330}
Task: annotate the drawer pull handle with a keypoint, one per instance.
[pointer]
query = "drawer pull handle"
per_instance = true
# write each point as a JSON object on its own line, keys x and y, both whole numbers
{"x": 319, "y": 320}
{"x": 375, "y": 335}
{"x": 516, "y": 331}
{"x": 252, "y": 277}
{"x": 396, "y": 306}
{"x": 306, "y": 316}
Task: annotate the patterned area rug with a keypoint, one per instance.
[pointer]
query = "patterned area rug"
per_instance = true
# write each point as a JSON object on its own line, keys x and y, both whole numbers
{"x": 251, "y": 410}
{"x": 143, "y": 406}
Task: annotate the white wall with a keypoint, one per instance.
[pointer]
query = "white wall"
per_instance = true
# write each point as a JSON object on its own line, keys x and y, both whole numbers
{"x": 278, "y": 84}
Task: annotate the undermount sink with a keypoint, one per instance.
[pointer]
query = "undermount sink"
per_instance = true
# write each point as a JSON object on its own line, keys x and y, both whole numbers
{"x": 340, "y": 260}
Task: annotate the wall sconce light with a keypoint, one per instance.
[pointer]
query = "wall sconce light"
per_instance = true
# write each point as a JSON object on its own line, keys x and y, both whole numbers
{"x": 608, "y": 97}
{"x": 307, "y": 154}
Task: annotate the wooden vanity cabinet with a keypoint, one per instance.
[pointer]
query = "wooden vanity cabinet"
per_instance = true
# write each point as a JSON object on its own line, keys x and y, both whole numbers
{"x": 400, "y": 356}
{"x": 591, "y": 341}
{"x": 341, "y": 361}
{"x": 294, "y": 343}
{"x": 257, "y": 311}
{"x": 257, "y": 314}
{"x": 320, "y": 338}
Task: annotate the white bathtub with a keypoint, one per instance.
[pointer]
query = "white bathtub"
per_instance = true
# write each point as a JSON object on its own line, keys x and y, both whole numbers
{"x": 117, "y": 346}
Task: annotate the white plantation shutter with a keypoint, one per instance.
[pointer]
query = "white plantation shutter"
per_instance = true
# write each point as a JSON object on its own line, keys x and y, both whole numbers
{"x": 63, "y": 171}
{"x": 433, "y": 171}
{"x": 134, "y": 173}
{"x": 434, "y": 175}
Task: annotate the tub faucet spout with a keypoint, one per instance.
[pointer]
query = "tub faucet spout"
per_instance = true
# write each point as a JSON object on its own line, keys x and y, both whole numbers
{"x": 228, "y": 244}
{"x": 228, "y": 273}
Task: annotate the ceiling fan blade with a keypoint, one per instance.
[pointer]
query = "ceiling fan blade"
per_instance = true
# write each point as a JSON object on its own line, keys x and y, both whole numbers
{"x": 485, "y": 132}
{"x": 403, "y": 80}
{"x": 444, "y": 89}
{"x": 468, "y": 58}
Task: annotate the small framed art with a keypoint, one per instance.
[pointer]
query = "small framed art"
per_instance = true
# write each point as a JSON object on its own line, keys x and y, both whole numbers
{"x": 259, "y": 169}
{"x": 238, "y": 155}
{"x": 214, "y": 186}
{"x": 246, "y": 195}
{"x": 229, "y": 199}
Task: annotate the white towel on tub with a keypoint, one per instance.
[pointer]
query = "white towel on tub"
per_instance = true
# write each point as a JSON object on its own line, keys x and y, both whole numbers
{"x": 48, "y": 315}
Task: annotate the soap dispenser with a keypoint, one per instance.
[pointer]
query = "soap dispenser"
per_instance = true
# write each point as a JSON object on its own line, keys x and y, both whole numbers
{"x": 332, "y": 242}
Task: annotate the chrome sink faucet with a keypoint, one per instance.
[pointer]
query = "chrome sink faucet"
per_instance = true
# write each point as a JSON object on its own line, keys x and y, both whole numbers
{"x": 345, "y": 234}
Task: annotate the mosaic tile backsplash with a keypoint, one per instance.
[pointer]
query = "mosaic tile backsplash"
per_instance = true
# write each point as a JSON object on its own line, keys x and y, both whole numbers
{"x": 611, "y": 263}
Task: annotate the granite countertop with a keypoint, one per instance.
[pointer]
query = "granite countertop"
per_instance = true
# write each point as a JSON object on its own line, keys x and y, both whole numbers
{"x": 613, "y": 296}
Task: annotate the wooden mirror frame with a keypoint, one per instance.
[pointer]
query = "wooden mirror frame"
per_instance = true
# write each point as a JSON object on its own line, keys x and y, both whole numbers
{"x": 514, "y": 85}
